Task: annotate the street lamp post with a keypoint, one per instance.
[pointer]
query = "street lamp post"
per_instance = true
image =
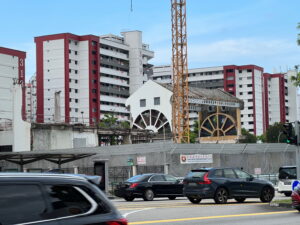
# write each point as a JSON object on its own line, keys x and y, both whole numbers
{"x": 82, "y": 117}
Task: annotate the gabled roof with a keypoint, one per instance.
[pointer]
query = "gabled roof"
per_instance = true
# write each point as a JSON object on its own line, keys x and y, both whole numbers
{"x": 207, "y": 94}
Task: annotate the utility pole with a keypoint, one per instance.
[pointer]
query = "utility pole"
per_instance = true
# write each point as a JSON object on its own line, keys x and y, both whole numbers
{"x": 297, "y": 133}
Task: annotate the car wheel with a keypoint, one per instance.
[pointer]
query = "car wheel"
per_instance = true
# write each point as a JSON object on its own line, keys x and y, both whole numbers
{"x": 172, "y": 197}
{"x": 129, "y": 199}
{"x": 148, "y": 195}
{"x": 267, "y": 194}
{"x": 240, "y": 200}
{"x": 287, "y": 194}
{"x": 194, "y": 200}
{"x": 221, "y": 196}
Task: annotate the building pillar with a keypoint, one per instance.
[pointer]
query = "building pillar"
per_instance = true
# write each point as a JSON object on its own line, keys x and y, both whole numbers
{"x": 134, "y": 170}
{"x": 238, "y": 122}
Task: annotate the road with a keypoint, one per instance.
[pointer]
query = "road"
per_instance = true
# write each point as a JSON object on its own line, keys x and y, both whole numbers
{"x": 182, "y": 212}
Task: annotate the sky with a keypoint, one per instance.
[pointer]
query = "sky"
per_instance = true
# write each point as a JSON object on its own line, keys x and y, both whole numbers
{"x": 220, "y": 32}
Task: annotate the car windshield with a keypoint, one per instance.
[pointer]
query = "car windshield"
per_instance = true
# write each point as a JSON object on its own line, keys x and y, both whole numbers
{"x": 197, "y": 173}
{"x": 288, "y": 173}
{"x": 136, "y": 178}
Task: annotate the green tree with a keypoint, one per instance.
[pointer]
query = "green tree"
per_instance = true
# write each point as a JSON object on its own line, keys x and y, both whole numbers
{"x": 194, "y": 132}
{"x": 275, "y": 132}
{"x": 109, "y": 121}
{"x": 248, "y": 137}
{"x": 296, "y": 79}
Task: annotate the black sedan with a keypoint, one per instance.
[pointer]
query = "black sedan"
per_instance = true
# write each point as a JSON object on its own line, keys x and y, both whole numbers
{"x": 148, "y": 186}
{"x": 222, "y": 184}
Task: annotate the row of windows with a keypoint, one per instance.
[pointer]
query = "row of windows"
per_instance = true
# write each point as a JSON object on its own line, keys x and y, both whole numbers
{"x": 244, "y": 123}
{"x": 112, "y": 103}
{"x": 156, "y": 101}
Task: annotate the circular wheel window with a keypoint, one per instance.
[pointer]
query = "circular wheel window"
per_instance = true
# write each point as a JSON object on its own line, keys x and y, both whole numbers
{"x": 218, "y": 124}
{"x": 152, "y": 120}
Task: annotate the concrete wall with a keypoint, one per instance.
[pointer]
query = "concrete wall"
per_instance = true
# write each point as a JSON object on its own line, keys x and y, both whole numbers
{"x": 61, "y": 137}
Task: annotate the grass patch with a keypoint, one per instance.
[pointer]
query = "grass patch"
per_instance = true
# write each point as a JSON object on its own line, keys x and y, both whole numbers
{"x": 285, "y": 201}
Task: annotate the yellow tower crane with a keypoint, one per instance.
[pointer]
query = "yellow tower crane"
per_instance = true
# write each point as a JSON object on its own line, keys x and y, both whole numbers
{"x": 180, "y": 106}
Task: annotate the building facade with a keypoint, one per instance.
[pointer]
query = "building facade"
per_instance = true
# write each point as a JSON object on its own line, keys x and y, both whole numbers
{"x": 81, "y": 78}
{"x": 30, "y": 100}
{"x": 244, "y": 82}
{"x": 281, "y": 98}
{"x": 12, "y": 71}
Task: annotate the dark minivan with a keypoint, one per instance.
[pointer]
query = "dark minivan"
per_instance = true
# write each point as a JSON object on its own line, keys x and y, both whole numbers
{"x": 149, "y": 186}
{"x": 55, "y": 199}
{"x": 222, "y": 184}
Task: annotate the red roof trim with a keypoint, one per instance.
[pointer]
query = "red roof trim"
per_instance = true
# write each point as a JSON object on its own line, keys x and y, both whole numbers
{"x": 12, "y": 52}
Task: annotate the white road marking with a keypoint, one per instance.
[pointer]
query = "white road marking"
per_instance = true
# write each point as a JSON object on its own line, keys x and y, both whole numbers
{"x": 126, "y": 214}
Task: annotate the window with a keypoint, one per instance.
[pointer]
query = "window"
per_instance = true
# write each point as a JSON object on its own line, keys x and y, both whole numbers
{"x": 251, "y": 122}
{"x": 249, "y": 92}
{"x": 66, "y": 201}
{"x": 70, "y": 70}
{"x": 76, "y": 110}
{"x": 250, "y": 107}
{"x": 94, "y": 71}
{"x": 76, "y": 100}
{"x": 241, "y": 93}
{"x": 230, "y": 78}
{"x": 75, "y": 52}
{"x": 76, "y": 90}
{"x": 170, "y": 178}
{"x": 218, "y": 173}
{"x": 250, "y": 100}
{"x": 240, "y": 71}
{"x": 70, "y": 61}
{"x": 76, "y": 71}
{"x": 29, "y": 201}
{"x": 249, "y": 70}
{"x": 94, "y": 91}
{"x": 241, "y": 174}
{"x": 76, "y": 81}
{"x": 143, "y": 103}
{"x": 249, "y": 85}
{"x": 229, "y": 71}
{"x": 228, "y": 173}
{"x": 156, "y": 100}
{"x": 157, "y": 178}
{"x": 76, "y": 62}
{"x": 240, "y": 86}
{"x": 70, "y": 51}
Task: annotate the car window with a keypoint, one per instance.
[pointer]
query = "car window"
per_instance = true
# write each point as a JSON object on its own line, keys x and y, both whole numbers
{"x": 229, "y": 173}
{"x": 242, "y": 174}
{"x": 136, "y": 178}
{"x": 157, "y": 178}
{"x": 197, "y": 173}
{"x": 21, "y": 204}
{"x": 170, "y": 178}
{"x": 218, "y": 173}
{"x": 66, "y": 201}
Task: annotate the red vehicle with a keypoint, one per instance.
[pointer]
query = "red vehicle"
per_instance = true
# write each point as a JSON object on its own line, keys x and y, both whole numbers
{"x": 296, "y": 198}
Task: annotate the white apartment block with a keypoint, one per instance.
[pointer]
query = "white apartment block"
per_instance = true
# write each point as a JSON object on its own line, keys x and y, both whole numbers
{"x": 81, "y": 78}
{"x": 281, "y": 98}
{"x": 245, "y": 82}
{"x": 30, "y": 100}
{"x": 12, "y": 70}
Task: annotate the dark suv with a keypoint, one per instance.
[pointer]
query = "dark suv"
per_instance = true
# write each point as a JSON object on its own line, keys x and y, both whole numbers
{"x": 222, "y": 184}
{"x": 54, "y": 199}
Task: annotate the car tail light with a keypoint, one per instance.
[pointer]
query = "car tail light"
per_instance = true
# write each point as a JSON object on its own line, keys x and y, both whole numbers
{"x": 133, "y": 185}
{"x": 205, "y": 180}
{"x": 122, "y": 221}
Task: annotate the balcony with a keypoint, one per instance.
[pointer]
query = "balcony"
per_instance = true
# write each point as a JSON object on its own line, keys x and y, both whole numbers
{"x": 112, "y": 99}
{"x": 113, "y": 54}
{"x": 115, "y": 81}
{"x": 113, "y": 72}
{"x": 111, "y": 108}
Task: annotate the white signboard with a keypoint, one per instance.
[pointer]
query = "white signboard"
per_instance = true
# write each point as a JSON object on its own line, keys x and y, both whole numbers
{"x": 196, "y": 158}
{"x": 141, "y": 160}
{"x": 257, "y": 171}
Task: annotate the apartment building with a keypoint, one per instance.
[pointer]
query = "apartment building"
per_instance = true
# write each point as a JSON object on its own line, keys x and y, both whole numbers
{"x": 244, "y": 82}
{"x": 30, "y": 100}
{"x": 81, "y": 78}
{"x": 281, "y": 98}
{"x": 12, "y": 70}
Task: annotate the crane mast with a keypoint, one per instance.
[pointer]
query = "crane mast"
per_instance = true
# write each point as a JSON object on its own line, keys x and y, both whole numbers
{"x": 180, "y": 106}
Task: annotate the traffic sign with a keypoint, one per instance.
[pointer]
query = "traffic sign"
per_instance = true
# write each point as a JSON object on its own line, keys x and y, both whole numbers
{"x": 295, "y": 184}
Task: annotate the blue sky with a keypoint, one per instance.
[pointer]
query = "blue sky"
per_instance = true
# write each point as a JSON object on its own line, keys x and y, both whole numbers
{"x": 220, "y": 32}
